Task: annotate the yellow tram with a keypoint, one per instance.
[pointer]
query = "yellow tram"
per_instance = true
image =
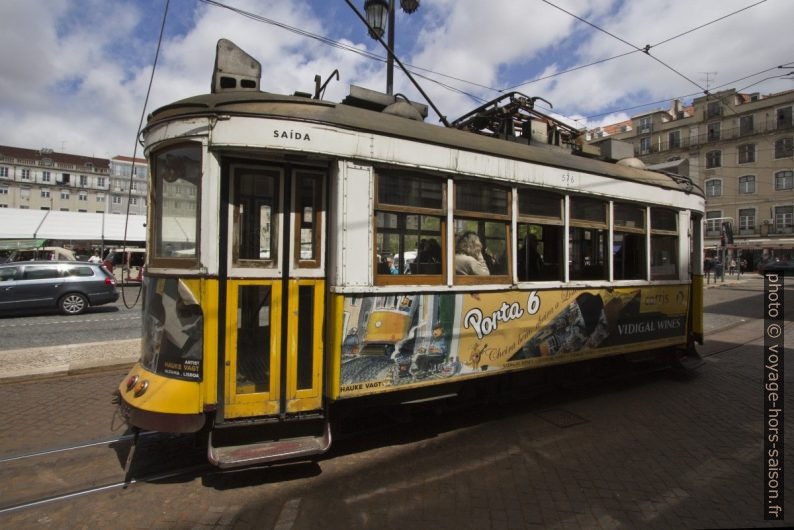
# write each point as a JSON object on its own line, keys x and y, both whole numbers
{"x": 303, "y": 253}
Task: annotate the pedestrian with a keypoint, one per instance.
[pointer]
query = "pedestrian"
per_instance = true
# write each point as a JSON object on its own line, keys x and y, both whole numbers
{"x": 742, "y": 266}
{"x": 708, "y": 266}
{"x": 95, "y": 258}
{"x": 732, "y": 269}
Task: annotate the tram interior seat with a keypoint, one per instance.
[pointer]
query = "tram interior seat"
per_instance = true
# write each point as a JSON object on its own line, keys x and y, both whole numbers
{"x": 425, "y": 268}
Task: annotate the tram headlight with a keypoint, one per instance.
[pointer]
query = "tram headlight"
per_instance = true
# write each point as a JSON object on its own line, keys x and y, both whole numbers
{"x": 141, "y": 387}
{"x": 131, "y": 382}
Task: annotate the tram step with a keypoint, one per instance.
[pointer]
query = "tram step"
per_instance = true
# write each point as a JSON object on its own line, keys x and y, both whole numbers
{"x": 231, "y": 456}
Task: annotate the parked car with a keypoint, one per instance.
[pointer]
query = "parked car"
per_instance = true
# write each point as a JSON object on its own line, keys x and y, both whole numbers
{"x": 70, "y": 287}
{"x": 43, "y": 254}
{"x": 126, "y": 264}
{"x": 781, "y": 267}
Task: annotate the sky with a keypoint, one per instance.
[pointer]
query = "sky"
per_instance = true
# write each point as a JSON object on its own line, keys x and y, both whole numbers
{"x": 75, "y": 73}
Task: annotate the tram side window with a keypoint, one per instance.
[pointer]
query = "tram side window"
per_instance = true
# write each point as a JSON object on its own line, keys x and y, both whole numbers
{"x": 481, "y": 227}
{"x": 664, "y": 244}
{"x": 255, "y": 192}
{"x": 308, "y": 199}
{"x": 540, "y": 236}
{"x": 628, "y": 242}
{"x": 409, "y": 224}
{"x": 177, "y": 179}
{"x": 588, "y": 239}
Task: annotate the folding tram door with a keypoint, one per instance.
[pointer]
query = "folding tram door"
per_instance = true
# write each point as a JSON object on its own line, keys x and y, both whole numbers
{"x": 274, "y": 308}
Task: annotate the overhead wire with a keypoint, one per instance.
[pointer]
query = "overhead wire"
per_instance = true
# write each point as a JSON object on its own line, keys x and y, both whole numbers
{"x": 134, "y": 153}
{"x": 599, "y": 61}
{"x": 376, "y": 57}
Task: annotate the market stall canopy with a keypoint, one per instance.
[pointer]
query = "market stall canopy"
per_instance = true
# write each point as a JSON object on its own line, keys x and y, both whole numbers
{"x": 47, "y": 224}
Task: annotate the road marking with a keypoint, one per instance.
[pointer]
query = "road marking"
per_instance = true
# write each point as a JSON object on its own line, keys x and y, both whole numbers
{"x": 288, "y": 515}
{"x": 27, "y": 324}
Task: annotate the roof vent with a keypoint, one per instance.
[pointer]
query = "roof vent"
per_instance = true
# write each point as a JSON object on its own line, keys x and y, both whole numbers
{"x": 636, "y": 163}
{"x": 235, "y": 70}
{"x": 403, "y": 109}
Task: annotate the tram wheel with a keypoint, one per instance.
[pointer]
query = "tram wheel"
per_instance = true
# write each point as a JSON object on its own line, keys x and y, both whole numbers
{"x": 73, "y": 304}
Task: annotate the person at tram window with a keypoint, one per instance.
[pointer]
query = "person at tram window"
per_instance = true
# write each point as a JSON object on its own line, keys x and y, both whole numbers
{"x": 390, "y": 265}
{"x": 469, "y": 257}
{"x": 530, "y": 262}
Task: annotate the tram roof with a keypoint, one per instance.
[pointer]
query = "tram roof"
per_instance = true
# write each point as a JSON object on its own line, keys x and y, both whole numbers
{"x": 264, "y": 104}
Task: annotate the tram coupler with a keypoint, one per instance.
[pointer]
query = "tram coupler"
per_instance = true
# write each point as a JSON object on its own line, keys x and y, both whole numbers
{"x": 128, "y": 464}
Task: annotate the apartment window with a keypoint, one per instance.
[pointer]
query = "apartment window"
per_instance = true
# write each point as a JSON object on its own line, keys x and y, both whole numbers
{"x": 587, "y": 239}
{"x": 24, "y": 207}
{"x": 783, "y": 219}
{"x": 645, "y": 145}
{"x": 783, "y": 118}
{"x": 482, "y": 230}
{"x": 410, "y": 221}
{"x": 713, "y": 220}
{"x": 25, "y": 174}
{"x": 713, "y": 188}
{"x": 83, "y": 180}
{"x": 713, "y": 131}
{"x": 82, "y": 196}
{"x": 784, "y": 148}
{"x": 64, "y": 209}
{"x": 44, "y": 208}
{"x": 747, "y": 219}
{"x": 133, "y": 201}
{"x": 747, "y": 184}
{"x": 83, "y": 211}
{"x": 3, "y": 190}
{"x": 713, "y": 159}
{"x": 24, "y": 193}
{"x": 100, "y": 182}
{"x": 784, "y": 180}
{"x": 674, "y": 139}
{"x": 645, "y": 124}
{"x": 540, "y": 235}
{"x": 64, "y": 194}
{"x": 116, "y": 199}
{"x": 664, "y": 244}
{"x": 713, "y": 109}
{"x": 746, "y": 153}
{"x": 45, "y": 176}
{"x": 3, "y": 206}
{"x": 100, "y": 197}
{"x": 133, "y": 186}
{"x": 3, "y": 171}
{"x": 628, "y": 242}
{"x": 65, "y": 178}
{"x": 45, "y": 194}
{"x": 745, "y": 125}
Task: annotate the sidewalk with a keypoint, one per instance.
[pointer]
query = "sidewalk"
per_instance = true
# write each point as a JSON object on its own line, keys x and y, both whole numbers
{"x": 732, "y": 280}
{"x": 34, "y": 363}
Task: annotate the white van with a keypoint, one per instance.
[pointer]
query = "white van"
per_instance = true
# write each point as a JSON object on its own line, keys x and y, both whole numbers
{"x": 126, "y": 264}
{"x": 43, "y": 254}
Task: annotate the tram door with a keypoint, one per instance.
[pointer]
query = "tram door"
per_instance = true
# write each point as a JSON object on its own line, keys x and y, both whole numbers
{"x": 274, "y": 291}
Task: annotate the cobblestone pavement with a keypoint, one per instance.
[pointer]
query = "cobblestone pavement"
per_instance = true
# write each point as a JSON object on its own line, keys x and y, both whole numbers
{"x": 650, "y": 451}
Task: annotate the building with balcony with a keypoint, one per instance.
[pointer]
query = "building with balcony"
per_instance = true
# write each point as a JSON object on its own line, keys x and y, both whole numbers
{"x": 124, "y": 189}
{"x": 46, "y": 180}
{"x": 740, "y": 149}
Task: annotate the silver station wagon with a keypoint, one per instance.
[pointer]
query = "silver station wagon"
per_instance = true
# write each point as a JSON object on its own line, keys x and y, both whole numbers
{"x": 69, "y": 286}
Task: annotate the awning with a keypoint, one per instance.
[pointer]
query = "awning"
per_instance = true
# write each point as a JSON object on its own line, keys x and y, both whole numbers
{"x": 19, "y": 224}
{"x": 13, "y": 244}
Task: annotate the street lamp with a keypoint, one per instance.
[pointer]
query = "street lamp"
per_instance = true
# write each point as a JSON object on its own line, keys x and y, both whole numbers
{"x": 378, "y": 13}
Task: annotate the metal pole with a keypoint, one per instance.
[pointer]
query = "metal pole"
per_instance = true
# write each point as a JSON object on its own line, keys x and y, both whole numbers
{"x": 390, "y": 57}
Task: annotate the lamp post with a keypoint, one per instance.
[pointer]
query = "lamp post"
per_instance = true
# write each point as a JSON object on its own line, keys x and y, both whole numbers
{"x": 379, "y": 13}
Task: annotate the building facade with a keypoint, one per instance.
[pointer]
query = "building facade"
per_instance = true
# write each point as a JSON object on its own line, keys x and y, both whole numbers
{"x": 740, "y": 149}
{"x": 46, "y": 180}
